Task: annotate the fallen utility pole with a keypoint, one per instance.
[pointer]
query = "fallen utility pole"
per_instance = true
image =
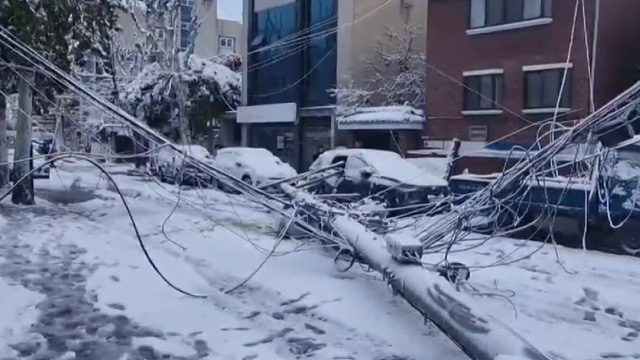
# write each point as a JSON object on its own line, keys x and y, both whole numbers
{"x": 479, "y": 335}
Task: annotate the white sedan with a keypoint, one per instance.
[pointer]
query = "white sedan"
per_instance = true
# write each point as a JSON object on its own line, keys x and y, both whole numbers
{"x": 171, "y": 167}
{"x": 253, "y": 165}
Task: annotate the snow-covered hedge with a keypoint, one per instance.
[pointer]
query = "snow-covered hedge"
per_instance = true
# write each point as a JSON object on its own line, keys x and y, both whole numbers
{"x": 210, "y": 88}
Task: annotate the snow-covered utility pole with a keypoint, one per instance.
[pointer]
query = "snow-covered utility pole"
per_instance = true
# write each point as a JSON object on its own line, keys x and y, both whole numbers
{"x": 479, "y": 335}
{"x": 452, "y": 157}
{"x": 23, "y": 192}
{"x": 59, "y": 134}
{"x": 4, "y": 158}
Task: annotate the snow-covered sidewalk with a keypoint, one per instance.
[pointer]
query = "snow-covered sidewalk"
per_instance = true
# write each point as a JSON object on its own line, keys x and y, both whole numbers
{"x": 74, "y": 283}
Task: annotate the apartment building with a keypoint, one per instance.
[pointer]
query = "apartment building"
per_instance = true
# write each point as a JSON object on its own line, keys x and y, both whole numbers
{"x": 500, "y": 67}
{"x": 213, "y": 36}
{"x": 295, "y": 52}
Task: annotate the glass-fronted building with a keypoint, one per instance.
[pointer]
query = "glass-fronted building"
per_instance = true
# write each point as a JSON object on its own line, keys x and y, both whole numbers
{"x": 291, "y": 58}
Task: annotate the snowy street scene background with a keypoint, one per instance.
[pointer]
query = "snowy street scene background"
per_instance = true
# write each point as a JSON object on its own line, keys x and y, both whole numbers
{"x": 319, "y": 179}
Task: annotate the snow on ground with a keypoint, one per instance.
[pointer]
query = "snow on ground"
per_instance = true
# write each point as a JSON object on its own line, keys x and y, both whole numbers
{"x": 298, "y": 305}
{"x": 573, "y": 304}
{"x": 75, "y": 254}
{"x": 17, "y": 314}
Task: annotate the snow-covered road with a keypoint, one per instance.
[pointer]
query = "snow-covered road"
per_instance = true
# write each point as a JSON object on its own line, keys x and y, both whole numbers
{"x": 74, "y": 283}
{"x": 98, "y": 298}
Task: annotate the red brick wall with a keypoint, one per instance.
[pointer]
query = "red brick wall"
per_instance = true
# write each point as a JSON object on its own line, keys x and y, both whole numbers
{"x": 618, "y": 56}
{"x": 450, "y": 52}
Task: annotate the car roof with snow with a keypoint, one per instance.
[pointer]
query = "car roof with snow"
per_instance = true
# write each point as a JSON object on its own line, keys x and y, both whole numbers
{"x": 387, "y": 164}
{"x": 197, "y": 151}
{"x": 245, "y": 151}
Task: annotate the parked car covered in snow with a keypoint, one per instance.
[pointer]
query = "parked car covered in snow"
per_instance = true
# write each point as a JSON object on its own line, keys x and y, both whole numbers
{"x": 171, "y": 166}
{"x": 367, "y": 172}
{"x": 254, "y": 166}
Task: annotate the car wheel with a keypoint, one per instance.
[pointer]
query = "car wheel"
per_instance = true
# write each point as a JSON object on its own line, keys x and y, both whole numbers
{"x": 247, "y": 179}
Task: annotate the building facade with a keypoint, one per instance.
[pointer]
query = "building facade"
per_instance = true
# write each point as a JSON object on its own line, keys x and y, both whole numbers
{"x": 501, "y": 67}
{"x": 213, "y": 36}
{"x": 230, "y": 37}
{"x": 295, "y": 52}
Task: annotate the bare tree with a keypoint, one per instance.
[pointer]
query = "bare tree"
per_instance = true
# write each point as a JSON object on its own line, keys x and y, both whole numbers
{"x": 177, "y": 88}
{"x": 399, "y": 72}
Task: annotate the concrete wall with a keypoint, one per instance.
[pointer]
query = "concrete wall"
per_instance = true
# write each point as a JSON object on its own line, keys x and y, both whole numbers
{"x": 232, "y": 29}
{"x": 206, "y": 44}
{"x": 207, "y": 40}
{"x": 357, "y": 43}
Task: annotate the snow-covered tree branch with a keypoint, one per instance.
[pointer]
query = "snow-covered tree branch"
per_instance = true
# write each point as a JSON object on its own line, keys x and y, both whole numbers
{"x": 179, "y": 89}
{"x": 398, "y": 74}
{"x": 210, "y": 89}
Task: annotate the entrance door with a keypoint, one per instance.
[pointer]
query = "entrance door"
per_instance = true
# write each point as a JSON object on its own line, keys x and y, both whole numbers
{"x": 314, "y": 139}
{"x": 279, "y": 139}
{"x": 375, "y": 139}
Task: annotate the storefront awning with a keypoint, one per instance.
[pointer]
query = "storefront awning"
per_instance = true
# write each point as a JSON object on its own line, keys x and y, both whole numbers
{"x": 382, "y": 118}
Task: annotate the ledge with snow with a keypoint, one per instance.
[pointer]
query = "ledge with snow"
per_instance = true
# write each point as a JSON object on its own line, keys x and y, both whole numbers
{"x": 381, "y": 118}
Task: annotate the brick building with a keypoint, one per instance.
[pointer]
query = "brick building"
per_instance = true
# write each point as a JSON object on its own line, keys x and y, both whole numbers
{"x": 514, "y": 53}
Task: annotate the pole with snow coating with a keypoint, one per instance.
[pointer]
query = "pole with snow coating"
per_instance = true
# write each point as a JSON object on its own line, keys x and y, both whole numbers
{"x": 479, "y": 335}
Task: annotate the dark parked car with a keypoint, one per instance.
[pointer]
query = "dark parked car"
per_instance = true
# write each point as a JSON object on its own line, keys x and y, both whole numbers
{"x": 368, "y": 172}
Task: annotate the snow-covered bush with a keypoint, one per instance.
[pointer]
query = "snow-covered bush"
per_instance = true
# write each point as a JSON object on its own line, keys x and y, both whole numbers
{"x": 209, "y": 89}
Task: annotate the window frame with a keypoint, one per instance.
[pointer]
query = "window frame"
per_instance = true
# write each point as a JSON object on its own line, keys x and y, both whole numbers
{"x": 565, "y": 102}
{"x": 545, "y": 13}
{"x": 226, "y": 39}
{"x": 497, "y": 91}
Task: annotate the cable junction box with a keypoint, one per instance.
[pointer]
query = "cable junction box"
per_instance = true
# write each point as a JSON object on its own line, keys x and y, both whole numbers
{"x": 404, "y": 248}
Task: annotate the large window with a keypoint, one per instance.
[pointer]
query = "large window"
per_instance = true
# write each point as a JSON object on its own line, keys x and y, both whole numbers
{"x": 300, "y": 68}
{"x": 482, "y": 92}
{"x": 321, "y": 54}
{"x": 187, "y": 14}
{"x": 275, "y": 66}
{"x": 542, "y": 89}
{"x": 497, "y": 12}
